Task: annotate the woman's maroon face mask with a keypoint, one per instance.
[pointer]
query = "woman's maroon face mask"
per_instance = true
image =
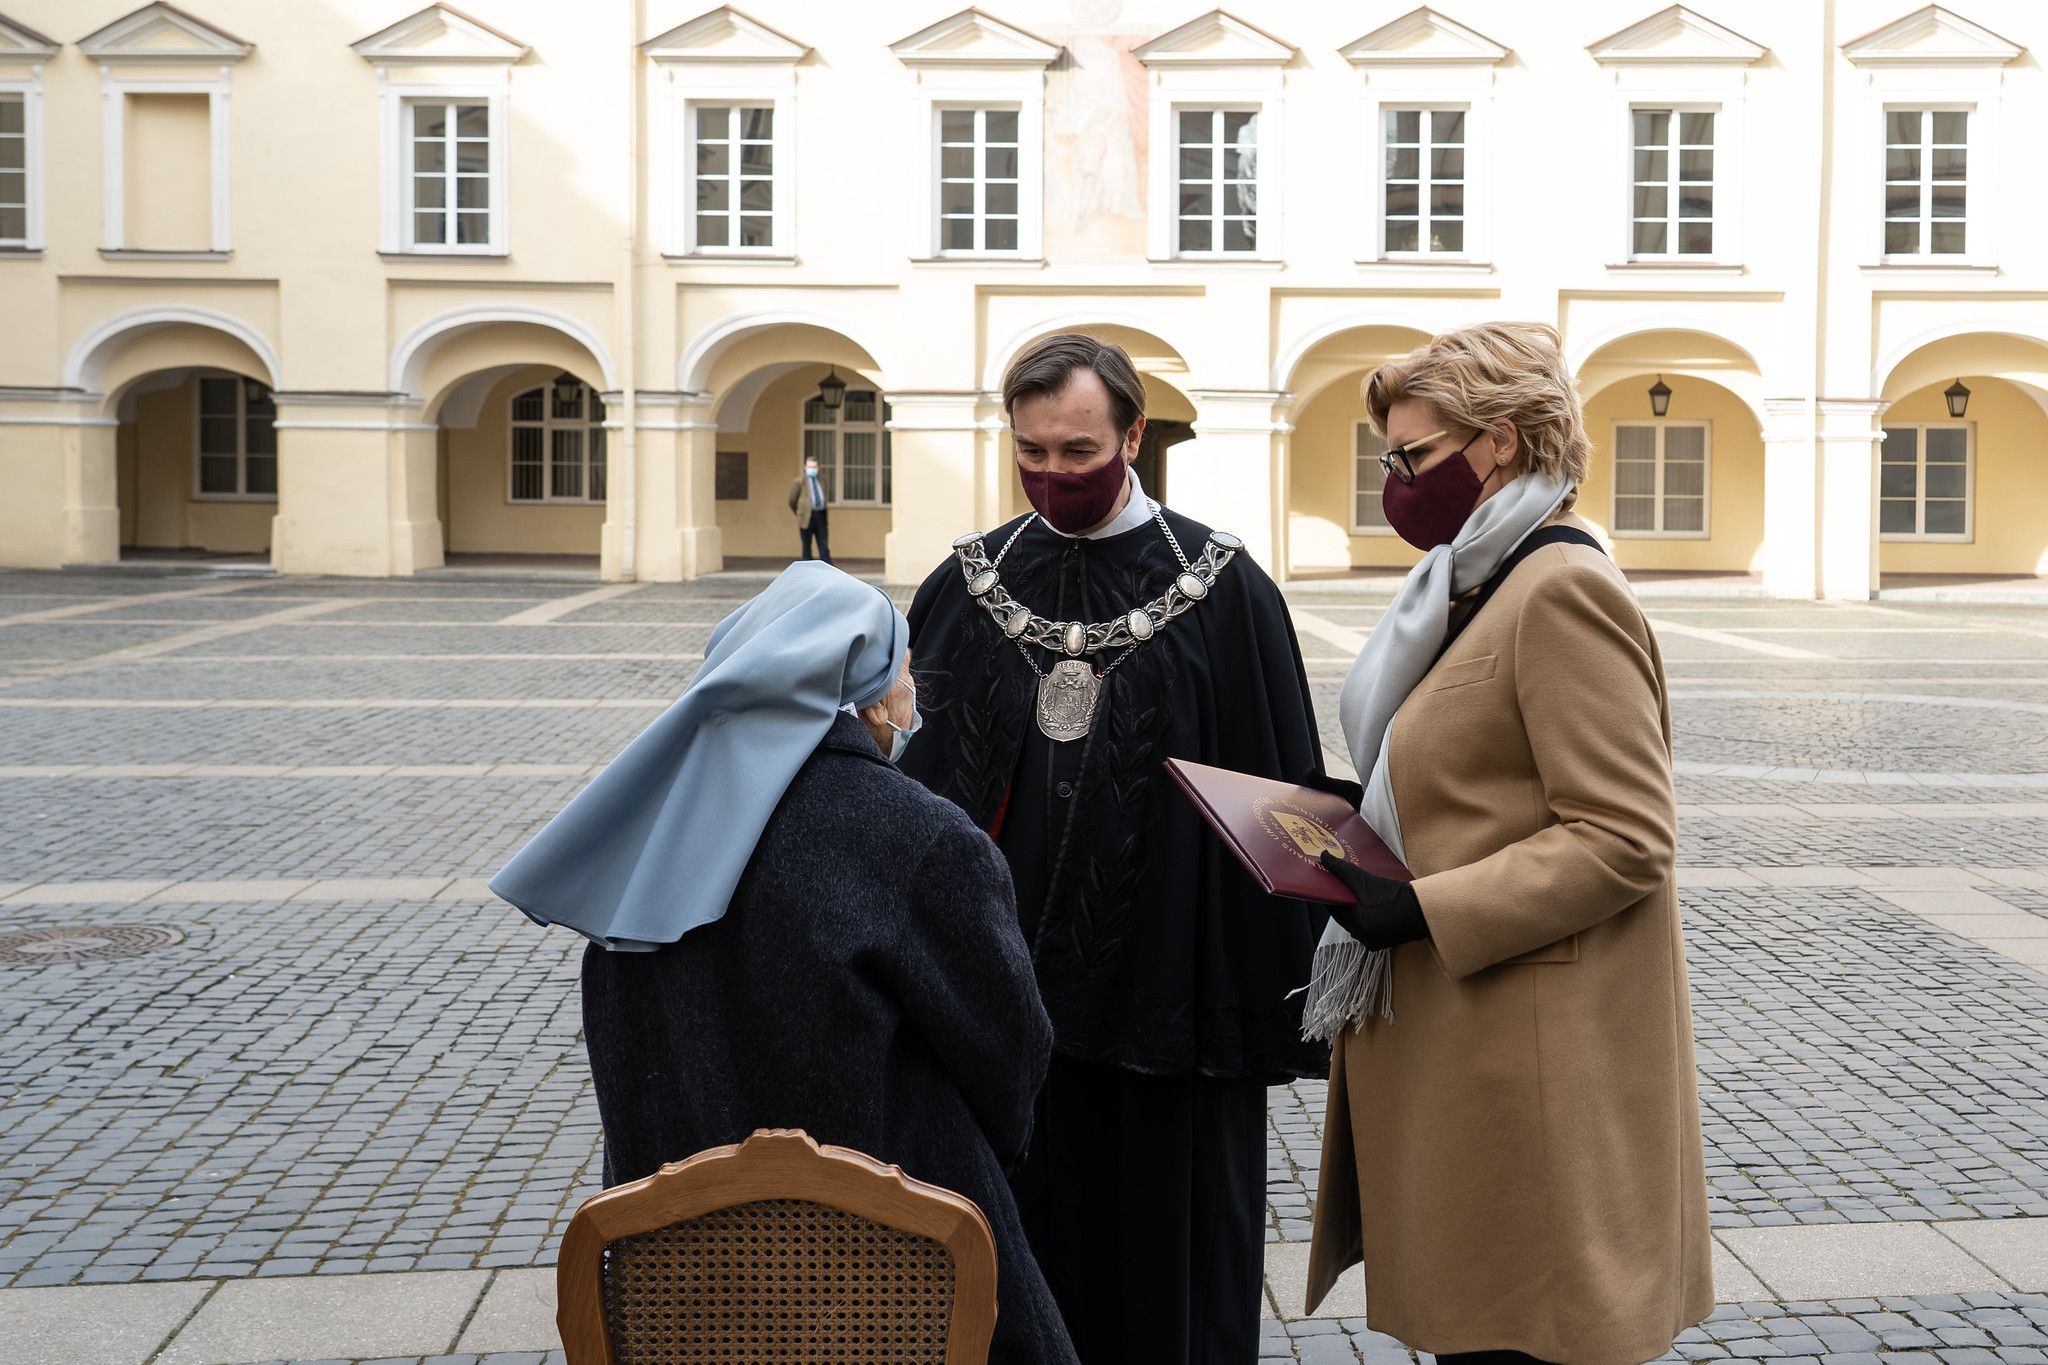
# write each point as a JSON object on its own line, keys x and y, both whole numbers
{"x": 1075, "y": 503}
{"x": 1428, "y": 509}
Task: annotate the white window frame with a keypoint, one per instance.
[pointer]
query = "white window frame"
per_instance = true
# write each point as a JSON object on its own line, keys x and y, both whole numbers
{"x": 1261, "y": 215}
{"x": 1676, "y": 109}
{"x": 114, "y": 92}
{"x": 1021, "y": 90}
{"x": 450, "y": 210}
{"x": 1361, "y": 428}
{"x": 1426, "y": 108}
{"x": 1653, "y": 88}
{"x": 241, "y": 452}
{"x": 1968, "y": 534}
{"x": 592, "y": 425}
{"x": 1169, "y": 101}
{"x": 1424, "y": 61}
{"x": 395, "y": 236}
{"x": 1975, "y": 184}
{"x": 936, "y": 137}
{"x": 1662, "y": 424}
{"x": 690, "y": 85}
{"x": 30, "y": 93}
{"x": 780, "y": 181}
{"x": 834, "y": 479}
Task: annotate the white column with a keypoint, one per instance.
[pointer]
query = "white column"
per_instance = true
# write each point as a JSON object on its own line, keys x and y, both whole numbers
{"x": 357, "y": 486}
{"x": 1791, "y": 550}
{"x": 57, "y": 464}
{"x": 943, "y": 481}
{"x": 1232, "y": 475}
{"x": 670, "y": 508}
{"x": 1850, "y": 441}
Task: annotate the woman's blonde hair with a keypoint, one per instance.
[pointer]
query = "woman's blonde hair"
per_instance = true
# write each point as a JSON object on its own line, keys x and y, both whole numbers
{"x": 1480, "y": 376}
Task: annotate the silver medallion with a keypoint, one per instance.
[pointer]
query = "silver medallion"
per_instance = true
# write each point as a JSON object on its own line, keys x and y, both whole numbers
{"x": 1139, "y": 624}
{"x": 1226, "y": 540}
{"x": 1076, "y": 637}
{"x": 1066, "y": 700}
{"x": 968, "y": 541}
{"x": 1189, "y": 585}
{"x": 1019, "y": 619}
{"x": 982, "y": 583}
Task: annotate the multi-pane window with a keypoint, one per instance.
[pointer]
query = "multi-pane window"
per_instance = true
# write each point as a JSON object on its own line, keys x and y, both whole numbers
{"x": 1217, "y": 180}
{"x": 13, "y": 170}
{"x": 1660, "y": 478}
{"x": 1924, "y": 481}
{"x": 558, "y": 443}
{"x": 1926, "y": 175}
{"x": 735, "y": 176}
{"x": 449, "y": 144}
{"x": 851, "y": 446}
{"x": 1673, "y": 212}
{"x": 1425, "y": 181}
{"x": 237, "y": 438}
{"x": 1367, "y": 479}
{"x": 978, "y": 180}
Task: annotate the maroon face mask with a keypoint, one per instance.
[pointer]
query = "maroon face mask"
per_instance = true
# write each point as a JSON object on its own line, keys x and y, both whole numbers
{"x": 1430, "y": 511}
{"x": 1075, "y": 503}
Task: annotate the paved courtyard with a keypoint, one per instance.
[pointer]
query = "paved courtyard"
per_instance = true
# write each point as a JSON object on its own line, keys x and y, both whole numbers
{"x": 323, "y": 1098}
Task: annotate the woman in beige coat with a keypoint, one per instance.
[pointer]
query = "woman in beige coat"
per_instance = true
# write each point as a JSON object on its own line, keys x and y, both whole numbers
{"x": 1512, "y": 1144}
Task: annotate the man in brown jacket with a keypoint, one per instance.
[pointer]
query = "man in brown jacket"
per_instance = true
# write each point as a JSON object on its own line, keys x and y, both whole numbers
{"x": 807, "y": 502}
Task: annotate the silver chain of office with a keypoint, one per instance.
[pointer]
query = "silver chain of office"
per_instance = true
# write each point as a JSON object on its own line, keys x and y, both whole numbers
{"x": 1075, "y": 638}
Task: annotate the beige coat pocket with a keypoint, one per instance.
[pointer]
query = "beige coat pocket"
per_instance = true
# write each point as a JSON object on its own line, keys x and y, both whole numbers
{"x": 1564, "y": 950}
{"x": 1460, "y": 674}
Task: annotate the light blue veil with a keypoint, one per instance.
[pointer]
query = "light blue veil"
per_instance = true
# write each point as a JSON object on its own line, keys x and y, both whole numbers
{"x": 656, "y": 844}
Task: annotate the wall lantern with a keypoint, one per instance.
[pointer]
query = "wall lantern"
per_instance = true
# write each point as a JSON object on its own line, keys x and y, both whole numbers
{"x": 1958, "y": 399}
{"x": 832, "y": 390}
{"x": 1660, "y": 397}
{"x": 568, "y": 390}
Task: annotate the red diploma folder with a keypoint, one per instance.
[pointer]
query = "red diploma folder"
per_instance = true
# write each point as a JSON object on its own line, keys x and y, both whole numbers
{"x": 1279, "y": 831}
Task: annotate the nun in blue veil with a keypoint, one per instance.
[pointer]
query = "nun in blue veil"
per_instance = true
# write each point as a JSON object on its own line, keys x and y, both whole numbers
{"x": 786, "y": 932}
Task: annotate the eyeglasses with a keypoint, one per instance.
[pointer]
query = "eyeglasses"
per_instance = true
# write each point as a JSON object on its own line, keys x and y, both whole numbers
{"x": 1399, "y": 461}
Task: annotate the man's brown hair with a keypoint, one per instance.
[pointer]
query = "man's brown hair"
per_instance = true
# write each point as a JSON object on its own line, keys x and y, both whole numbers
{"x": 1047, "y": 365}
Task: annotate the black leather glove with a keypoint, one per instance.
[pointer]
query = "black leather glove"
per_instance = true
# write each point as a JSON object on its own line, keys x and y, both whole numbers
{"x": 1336, "y": 786}
{"x": 1387, "y": 912}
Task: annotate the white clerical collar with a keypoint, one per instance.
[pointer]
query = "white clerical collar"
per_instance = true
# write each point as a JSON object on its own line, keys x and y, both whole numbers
{"x": 1137, "y": 511}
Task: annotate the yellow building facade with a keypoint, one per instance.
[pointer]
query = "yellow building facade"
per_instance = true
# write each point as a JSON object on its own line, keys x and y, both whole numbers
{"x": 359, "y": 286}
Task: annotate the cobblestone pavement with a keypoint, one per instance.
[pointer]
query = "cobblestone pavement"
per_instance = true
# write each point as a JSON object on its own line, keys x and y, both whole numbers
{"x": 373, "y": 1083}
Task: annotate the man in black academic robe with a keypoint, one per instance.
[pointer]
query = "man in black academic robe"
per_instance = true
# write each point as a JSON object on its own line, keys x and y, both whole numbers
{"x": 1168, "y": 974}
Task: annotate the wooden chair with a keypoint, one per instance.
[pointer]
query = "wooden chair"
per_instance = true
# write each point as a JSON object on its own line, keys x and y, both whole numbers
{"x": 777, "y": 1250}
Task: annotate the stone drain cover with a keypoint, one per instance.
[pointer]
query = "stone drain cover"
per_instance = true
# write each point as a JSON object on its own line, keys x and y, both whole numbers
{"x": 50, "y": 943}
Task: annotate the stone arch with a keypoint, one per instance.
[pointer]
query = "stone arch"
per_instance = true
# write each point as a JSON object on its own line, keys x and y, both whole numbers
{"x": 1138, "y": 336}
{"x": 2005, "y": 511}
{"x": 425, "y": 348}
{"x": 1287, "y": 367}
{"x": 131, "y": 344}
{"x": 1610, "y": 357}
{"x": 719, "y": 356}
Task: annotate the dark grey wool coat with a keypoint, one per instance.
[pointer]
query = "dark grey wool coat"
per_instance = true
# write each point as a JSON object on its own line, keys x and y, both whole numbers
{"x": 868, "y": 985}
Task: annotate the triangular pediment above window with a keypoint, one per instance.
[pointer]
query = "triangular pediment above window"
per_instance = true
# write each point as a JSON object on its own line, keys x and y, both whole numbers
{"x": 19, "y": 42}
{"x": 1215, "y": 39}
{"x": 162, "y": 33}
{"x": 1424, "y": 36}
{"x": 1676, "y": 36}
{"x": 1931, "y": 37}
{"x": 725, "y": 35}
{"x": 439, "y": 33}
{"x": 971, "y": 38}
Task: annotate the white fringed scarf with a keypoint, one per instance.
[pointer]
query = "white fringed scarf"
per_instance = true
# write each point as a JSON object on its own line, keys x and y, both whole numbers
{"x": 1351, "y": 983}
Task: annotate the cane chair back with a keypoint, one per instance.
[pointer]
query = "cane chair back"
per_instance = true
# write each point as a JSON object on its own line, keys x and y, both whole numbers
{"x": 772, "y": 1252}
